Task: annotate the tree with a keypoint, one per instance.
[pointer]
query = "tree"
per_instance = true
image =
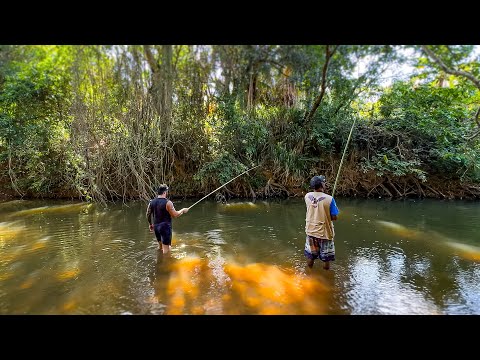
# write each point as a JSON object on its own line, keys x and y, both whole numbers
{"x": 452, "y": 60}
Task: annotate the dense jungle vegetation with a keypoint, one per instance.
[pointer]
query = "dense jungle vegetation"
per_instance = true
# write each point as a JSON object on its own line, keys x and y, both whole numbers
{"x": 107, "y": 123}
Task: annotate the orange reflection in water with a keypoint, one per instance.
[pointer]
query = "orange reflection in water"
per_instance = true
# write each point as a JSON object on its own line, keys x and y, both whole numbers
{"x": 38, "y": 245}
{"x": 401, "y": 230}
{"x": 470, "y": 256}
{"x": 183, "y": 284}
{"x": 9, "y": 231}
{"x": 69, "y": 306}
{"x": 266, "y": 289}
{"x": 27, "y": 284}
{"x": 5, "y": 276}
{"x": 192, "y": 288}
{"x": 84, "y": 207}
{"x": 11, "y": 255}
{"x": 68, "y": 274}
{"x": 240, "y": 206}
{"x": 468, "y": 252}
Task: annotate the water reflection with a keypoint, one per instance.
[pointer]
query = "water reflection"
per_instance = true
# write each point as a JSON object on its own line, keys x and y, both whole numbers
{"x": 83, "y": 207}
{"x": 468, "y": 252}
{"x": 266, "y": 289}
{"x": 199, "y": 286}
{"x": 238, "y": 258}
{"x": 373, "y": 290}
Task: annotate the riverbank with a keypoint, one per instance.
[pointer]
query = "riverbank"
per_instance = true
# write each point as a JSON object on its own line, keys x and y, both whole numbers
{"x": 352, "y": 185}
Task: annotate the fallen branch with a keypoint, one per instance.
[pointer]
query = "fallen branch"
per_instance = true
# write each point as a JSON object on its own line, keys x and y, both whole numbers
{"x": 419, "y": 187}
{"x": 435, "y": 191}
{"x": 254, "y": 196}
{"x": 373, "y": 189}
{"x": 385, "y": 188}
{"x": 393, "y": 186}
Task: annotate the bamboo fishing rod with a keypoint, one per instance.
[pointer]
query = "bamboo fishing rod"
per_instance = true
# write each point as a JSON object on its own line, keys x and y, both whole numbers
{"x": 344, "y": 152}
{"x": 222, "y": 186}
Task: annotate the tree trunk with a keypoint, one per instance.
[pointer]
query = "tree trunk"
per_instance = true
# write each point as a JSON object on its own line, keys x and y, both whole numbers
{"x": 309, "y": 115}
{"x": 162, "y": 86}
{"x": 318, "y": 100}
{"x": 252, "y": 87}
{"x": 167, "y": 94}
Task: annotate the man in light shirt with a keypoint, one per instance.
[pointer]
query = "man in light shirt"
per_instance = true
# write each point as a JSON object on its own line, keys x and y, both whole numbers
{"x": 321, "y": 212}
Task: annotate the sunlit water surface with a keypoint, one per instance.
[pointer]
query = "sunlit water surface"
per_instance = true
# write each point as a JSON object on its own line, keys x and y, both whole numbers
{"x": 392, "y": 257}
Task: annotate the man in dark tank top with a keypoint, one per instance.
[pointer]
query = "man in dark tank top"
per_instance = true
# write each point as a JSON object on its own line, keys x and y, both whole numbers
{"x": 163, "y": 211}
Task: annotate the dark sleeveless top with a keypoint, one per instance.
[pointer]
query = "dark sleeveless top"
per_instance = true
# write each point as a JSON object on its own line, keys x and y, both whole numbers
{"x": 159, "y": 211}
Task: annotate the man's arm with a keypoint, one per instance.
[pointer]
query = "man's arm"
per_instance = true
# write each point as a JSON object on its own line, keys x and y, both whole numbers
{"x": 174, "y": 213}
{"x": 334, "y": 210}
{"x": 149, "y": 216}
{"x": 149, "y": 213}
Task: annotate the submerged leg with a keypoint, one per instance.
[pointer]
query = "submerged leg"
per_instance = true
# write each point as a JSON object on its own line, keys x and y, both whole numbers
{"x": 310, "y": 262}
{"x": 326, "y": 265}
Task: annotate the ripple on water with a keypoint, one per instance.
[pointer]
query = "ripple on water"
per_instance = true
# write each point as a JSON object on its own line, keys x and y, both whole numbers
{"x": 376, "y": 288}
{"x": 238, "y": 262}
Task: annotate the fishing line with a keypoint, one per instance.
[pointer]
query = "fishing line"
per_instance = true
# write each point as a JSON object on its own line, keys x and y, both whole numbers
{"x": 344, "y": 152}
{"x": 222, "y": 186}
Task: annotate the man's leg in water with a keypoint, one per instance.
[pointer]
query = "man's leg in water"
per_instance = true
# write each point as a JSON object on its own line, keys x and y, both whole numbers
{"x": 166, "y": 232}
{"x": 311, "y": 251}
{"x": 166, "y": 248}
{"x": 158, "y": 235}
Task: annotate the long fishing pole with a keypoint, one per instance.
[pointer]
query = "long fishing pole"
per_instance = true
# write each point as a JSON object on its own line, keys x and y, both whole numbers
{"x": 341, "y": 161}
{"x": 222, "y": 186}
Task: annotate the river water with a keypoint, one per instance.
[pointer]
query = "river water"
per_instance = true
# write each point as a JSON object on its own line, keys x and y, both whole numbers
{"x": 392, "y": 257}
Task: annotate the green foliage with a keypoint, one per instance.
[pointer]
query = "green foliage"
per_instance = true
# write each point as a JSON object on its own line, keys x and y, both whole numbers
{"x": 388, "y": 163}
{"x": 454, "y": 56}
{"x": 222, "y": 169}
{"x": 436, "y": 122}
{"x": 241, "y": 133}
{"x": 33, "y": 106}
{"x": 458, "y": 162}
{"x": 109, "y": 121}
{"x": 290, "y": 163}
{"x": 324, "y": 132}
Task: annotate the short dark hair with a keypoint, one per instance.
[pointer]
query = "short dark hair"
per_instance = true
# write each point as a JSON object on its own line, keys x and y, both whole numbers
{"x": 318, "y": 181}
{"x": 162, "y": 189}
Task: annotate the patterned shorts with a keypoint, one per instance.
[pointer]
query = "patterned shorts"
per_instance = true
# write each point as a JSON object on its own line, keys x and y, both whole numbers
{"x": 322, "y": 249}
